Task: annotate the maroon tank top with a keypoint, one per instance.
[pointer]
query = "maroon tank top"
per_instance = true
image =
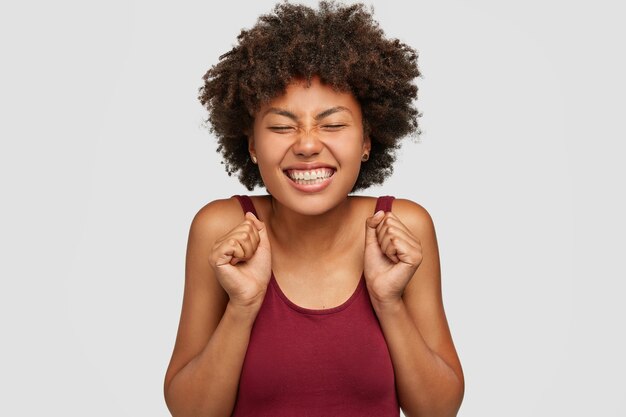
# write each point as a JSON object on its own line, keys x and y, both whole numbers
{"x": 317, "y": 363}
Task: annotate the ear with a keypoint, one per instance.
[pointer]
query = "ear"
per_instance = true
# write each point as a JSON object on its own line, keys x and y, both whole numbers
{"x": 251, "y": 148}
{"x": 367, "y": 144}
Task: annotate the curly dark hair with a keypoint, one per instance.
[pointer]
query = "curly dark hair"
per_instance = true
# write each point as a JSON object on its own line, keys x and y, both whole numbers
{"x": 341, "y": 44}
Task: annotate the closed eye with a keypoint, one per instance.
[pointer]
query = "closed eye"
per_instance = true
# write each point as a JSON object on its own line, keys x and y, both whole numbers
{"x": 333, "y": 126}
{"x": 280, "y": 128}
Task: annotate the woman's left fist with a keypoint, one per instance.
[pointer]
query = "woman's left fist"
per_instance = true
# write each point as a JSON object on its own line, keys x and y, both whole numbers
{"x": 392, "y": 255}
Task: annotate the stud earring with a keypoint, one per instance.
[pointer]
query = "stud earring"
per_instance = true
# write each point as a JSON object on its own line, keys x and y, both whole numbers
{"x": 253, "y": 159}
{"x": 365, "y": 157}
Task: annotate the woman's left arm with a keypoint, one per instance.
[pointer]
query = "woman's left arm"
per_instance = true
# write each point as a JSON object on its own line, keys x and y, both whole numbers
{"x": 429, "y": 377}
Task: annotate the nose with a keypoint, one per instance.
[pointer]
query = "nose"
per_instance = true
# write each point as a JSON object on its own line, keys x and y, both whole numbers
{"x": 307, "y": 143}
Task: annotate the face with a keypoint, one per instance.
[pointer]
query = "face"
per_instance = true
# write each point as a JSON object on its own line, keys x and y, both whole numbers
{"x": 309, "y": 143}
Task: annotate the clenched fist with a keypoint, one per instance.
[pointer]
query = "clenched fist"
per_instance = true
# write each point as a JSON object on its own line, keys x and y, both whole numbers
{"x": 242, "y": 261}
{"x": 392, "y": 255}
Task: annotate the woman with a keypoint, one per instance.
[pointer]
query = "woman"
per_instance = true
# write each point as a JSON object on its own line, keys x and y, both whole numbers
{"x": 303, "y": 302}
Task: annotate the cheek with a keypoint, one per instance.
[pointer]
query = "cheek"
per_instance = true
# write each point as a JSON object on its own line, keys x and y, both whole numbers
{"x": 271, "y": 155}
{"x": 270, "y": 150}
{"x": 348, "y": 151}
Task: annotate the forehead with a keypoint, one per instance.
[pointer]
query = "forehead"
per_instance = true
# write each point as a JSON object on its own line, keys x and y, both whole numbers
{"x": 303, "y": 99}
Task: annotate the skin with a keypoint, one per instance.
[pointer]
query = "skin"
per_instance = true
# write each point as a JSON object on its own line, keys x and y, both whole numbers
{"x": 399, "y": 257}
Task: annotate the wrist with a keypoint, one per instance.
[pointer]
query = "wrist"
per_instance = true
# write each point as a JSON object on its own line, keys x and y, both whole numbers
{"x": 246, "y": 308}
{"x": 252, "y": 298}
{"x": 387, "y": 306}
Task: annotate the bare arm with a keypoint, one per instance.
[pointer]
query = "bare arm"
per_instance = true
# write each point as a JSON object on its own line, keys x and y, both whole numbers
{"x": 213, "y": 335}
{"x": 429, "y": 377}
{"x": 207, "y": 385}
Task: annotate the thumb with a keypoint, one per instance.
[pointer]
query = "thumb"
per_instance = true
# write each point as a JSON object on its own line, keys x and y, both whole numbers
{"x": 260, "y": 226}
{"x": 370, "y": 226}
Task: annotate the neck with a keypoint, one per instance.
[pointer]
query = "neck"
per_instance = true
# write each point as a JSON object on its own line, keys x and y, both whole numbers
{"x": 307, "y": 236}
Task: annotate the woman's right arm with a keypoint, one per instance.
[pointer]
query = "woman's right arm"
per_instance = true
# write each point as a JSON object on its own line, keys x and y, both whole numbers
{"x": 203, "y": 375}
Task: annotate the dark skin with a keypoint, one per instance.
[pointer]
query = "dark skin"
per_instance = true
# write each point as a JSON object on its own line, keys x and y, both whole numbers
{"x": 230, "y": 257}
{"x": 311, "y": 278}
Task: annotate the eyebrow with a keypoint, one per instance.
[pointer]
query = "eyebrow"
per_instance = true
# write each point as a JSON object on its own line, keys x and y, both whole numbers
{"x": 319, "y": 116}
{"x": 330, "y": 111}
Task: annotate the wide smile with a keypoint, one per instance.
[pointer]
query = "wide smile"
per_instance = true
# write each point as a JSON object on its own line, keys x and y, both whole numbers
{"x": 310, "y": 180}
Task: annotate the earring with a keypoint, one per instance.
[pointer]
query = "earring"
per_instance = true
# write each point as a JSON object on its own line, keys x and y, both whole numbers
{"x": 365, "y": 157}
{"x": 253, "y": 159}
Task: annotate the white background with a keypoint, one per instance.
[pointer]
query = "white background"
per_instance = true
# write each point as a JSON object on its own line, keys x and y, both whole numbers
{"x": 104, "y": 161}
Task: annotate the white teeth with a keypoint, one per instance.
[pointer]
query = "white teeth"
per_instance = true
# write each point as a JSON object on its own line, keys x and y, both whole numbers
{"x": 310, "y": 177}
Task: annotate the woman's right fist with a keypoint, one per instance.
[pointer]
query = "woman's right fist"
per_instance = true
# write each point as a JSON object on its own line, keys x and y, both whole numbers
{"x": 242, "y": 261}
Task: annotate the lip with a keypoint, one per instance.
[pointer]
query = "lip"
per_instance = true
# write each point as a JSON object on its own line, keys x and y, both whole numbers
{"x": 311, "y": 188}
{"x": 312, "y": 165}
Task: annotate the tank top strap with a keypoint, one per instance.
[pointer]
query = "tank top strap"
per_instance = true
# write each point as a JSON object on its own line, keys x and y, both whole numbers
{"x": 246, "y": 204}
{"x": 384, "y": 203}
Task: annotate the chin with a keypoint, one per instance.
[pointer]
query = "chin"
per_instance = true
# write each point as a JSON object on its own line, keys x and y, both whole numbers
{"x": 312, "y": 204}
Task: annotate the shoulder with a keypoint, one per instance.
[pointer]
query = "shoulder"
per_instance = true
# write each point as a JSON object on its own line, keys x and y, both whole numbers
{"x": 217, "y": 218}
{"x": 413, "y": 215}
